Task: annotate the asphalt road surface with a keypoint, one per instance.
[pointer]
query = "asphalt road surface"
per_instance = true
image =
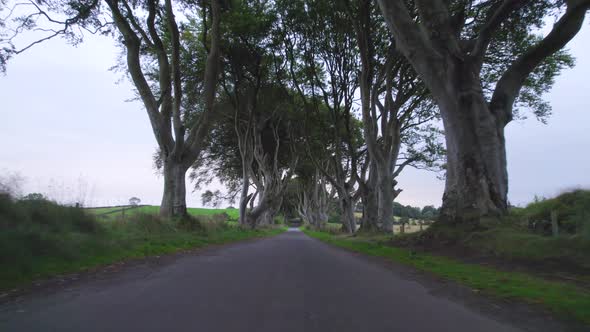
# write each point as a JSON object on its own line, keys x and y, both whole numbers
{"x": 286, "y": 283}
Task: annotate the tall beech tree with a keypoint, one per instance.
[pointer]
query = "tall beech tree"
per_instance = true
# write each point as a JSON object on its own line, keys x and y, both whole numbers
{"x": 253, "y": 146}
{"x": 153, "y": 42}
{"x": 451, "y": 45}
{"x": 397, "y": 113}
{"x": 323, "y": 63}
{"x": 335, "y": 51}
{"x": 263, "y": 109}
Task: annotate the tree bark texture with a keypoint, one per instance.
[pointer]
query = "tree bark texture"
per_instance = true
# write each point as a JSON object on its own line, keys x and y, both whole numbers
{"x": 174, "y": 198}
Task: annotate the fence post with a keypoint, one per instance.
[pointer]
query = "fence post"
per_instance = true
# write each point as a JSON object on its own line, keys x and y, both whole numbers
{"x": 554, "y": 225}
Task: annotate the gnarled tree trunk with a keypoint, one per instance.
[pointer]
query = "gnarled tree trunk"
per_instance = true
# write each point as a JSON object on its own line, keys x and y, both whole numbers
{"x": 369, "y": 195}
{"x": 244, "y": 197}
{"x": 264, "y": 212}
{"x": 174, "y": 198}
{"x": 370, "y": 202}
{"x": 477, "y": 179}
{"x": 386, "y": 197}
{"x": 313, "y": 201}
{"x": 347, "y": 210}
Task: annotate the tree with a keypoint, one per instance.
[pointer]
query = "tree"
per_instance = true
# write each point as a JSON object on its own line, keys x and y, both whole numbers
{"x": 396, "y": 110}
{"x": 212, "y": 198}
{"x": 178, "y": 105}
{"x": 11, "y": 184}
{"x": 429, "y": 212}
{"x": 403, "y": 222}
{"x": 313, "y": 195}
{"x": 320, "y": 48}
{"x": 479, "y": 59}
{"x": 134, "y": 201}
{"x": 34, "y": 197}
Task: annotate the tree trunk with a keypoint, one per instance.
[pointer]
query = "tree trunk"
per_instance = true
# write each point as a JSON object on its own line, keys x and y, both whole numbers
{"x": 268, "y": 217}
{"x": 348, "y": 221}
{"x": 386, "y": 197}
{"x": 370, "y": 210}
{"x": 319, "y": 202}
{"x": 174, "y": 199}
{"x": 477, "y": 179}
{"x": 370, "y": 199}
{"x": 244, "y": 198}
{"x": 266, "y": 203}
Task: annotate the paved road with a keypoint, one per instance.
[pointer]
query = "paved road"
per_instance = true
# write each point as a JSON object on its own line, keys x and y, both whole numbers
{"x": 286, "y": 283}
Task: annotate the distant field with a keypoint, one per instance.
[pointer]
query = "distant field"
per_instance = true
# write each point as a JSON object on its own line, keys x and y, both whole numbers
{"x": 396, "y": 228}
{"x": 408, "y": 228}
{"x": 153, "y": 209}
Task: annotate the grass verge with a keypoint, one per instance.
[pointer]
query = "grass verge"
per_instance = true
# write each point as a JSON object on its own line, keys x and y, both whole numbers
{"x": 562, "y": 298}
{"x": 40, "y": 239}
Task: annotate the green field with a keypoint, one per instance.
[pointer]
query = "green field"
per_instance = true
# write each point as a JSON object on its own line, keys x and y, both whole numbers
{"x": 562, "y": 298}
{"x": 111, "y": 212}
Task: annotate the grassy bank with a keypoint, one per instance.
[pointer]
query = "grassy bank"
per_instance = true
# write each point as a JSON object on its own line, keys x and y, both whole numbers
{"x": 562, "y": 298}
{"x": 39, "y": 239}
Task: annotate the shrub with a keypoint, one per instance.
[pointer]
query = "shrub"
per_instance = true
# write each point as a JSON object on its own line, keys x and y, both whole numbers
{"x": 44, "y": 215}
{"x": 191, "y": 224}
{"x": 34, "y": 230}
{"x": 573, "y": 211}
{"x": 220, "y": 217}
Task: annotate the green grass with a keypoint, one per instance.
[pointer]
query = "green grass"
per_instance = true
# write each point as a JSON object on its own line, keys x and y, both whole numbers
{"x": 39, "y": 239}
{"x": 562, "y": 298}
{"x": 572, "y": 208}
{"x": 153, "y": 209}
{"x": 511, "y": 242}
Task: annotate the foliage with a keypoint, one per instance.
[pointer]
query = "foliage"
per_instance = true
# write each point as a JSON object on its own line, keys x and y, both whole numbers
{"x": 517, "y": 35}
{"x": 572, "y": 208}
{"x": 428, "y": 212}
{"x": 134, "y": 201}
{"x": 11, "y": 183}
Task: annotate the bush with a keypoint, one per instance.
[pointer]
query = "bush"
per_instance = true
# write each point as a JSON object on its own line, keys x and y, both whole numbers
{"x": 573, "y": 212}
{"x": 36, "y": 231}
{"x": 44, "y": 215}
{"x": 220, "y": 217}
{"x": 191, "y": 224}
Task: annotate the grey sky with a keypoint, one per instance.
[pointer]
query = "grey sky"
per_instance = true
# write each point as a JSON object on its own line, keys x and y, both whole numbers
{"x": 66, "y": 127}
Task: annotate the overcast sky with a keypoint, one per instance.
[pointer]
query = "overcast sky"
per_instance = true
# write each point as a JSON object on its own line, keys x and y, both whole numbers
{"x": 66, "y": 126}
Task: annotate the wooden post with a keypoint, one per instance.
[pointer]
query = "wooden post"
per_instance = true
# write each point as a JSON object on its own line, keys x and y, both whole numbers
{"x": 554, "y": 225}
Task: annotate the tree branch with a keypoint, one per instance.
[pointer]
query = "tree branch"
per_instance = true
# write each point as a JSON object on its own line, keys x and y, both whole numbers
{"x": 199, "y": 130}
{"x": 133, "y": 44}
{"x": 511, "y": 82}
{"x": 495, "y": 17}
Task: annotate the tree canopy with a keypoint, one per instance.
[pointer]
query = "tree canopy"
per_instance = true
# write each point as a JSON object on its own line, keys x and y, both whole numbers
{"x": 296, "y": 106}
